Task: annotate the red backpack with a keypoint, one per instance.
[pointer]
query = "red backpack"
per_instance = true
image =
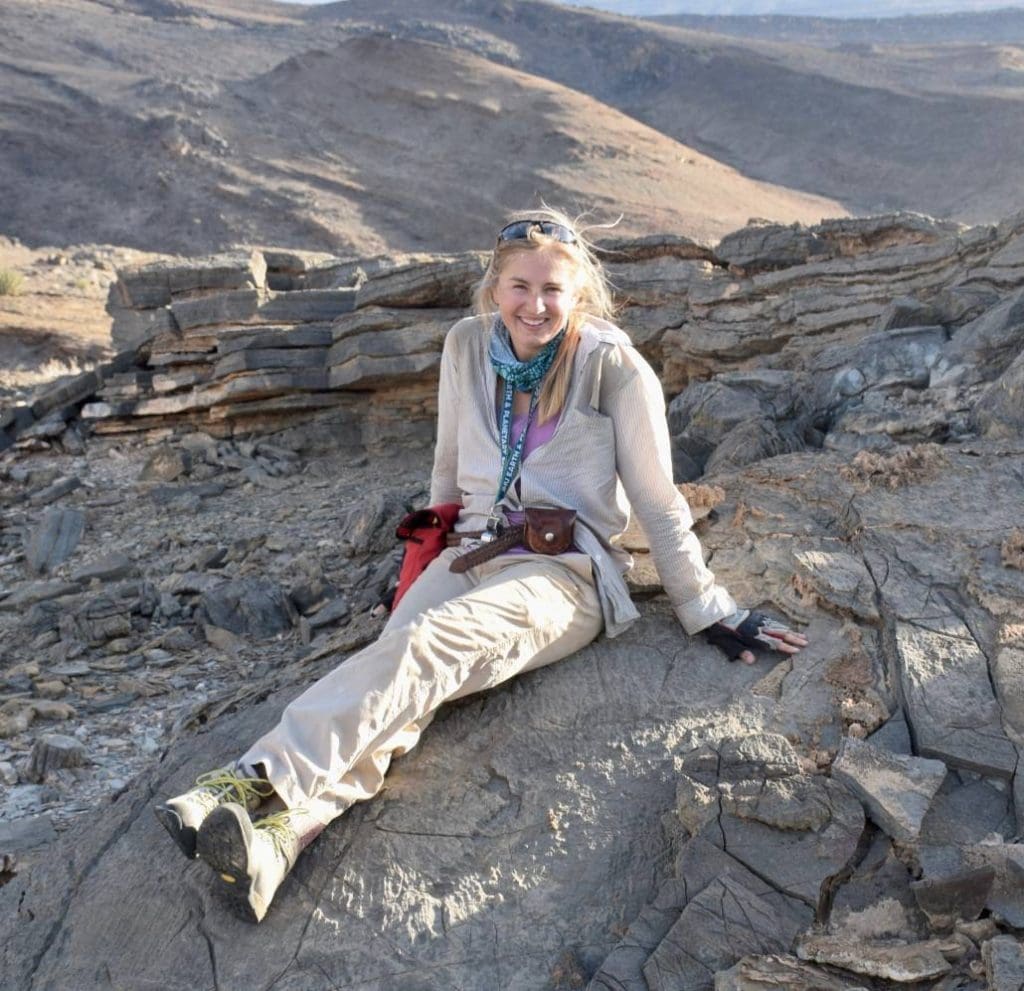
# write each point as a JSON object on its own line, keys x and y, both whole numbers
{"x": 425, "y": 533}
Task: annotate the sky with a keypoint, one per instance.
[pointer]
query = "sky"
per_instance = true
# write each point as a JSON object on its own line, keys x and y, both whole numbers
{"x": 815, "y": 8}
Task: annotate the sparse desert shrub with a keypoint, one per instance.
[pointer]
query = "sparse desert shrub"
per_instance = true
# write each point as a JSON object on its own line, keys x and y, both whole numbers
{"x": 10, "y": 282}
{"x": 1013, "y": 550}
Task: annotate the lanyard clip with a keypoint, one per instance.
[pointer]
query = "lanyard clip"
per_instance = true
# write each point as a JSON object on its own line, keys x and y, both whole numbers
{"x": 493, "y": 528}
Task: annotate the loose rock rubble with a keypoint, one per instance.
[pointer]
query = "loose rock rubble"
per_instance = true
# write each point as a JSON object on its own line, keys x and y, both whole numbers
{"x": 203, "y": 531}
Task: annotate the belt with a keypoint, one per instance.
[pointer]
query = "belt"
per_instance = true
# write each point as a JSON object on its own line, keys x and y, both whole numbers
{"x": 510, "y": 537}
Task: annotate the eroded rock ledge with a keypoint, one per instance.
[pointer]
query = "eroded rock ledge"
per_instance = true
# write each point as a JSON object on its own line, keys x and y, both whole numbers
{"x": 845, "y": 403}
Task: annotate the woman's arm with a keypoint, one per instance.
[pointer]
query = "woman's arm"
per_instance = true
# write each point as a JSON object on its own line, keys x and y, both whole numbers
{"x": 644, "y": 463}
{"x": 632, "y": 397}
{"x": 444, "y": 485}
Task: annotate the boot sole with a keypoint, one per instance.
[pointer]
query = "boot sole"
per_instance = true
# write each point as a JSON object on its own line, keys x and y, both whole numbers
{"x": 184, "y": 836}
{"x": 221, "y": 844}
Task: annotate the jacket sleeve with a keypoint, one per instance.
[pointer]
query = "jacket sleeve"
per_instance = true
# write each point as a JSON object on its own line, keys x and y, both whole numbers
{"x": 632, "y": 397}
{"x": 444, "y": 486}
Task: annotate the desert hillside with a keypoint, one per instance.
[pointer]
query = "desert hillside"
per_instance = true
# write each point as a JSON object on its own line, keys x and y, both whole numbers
{"x": 178, "y": 128}
{"x": 192, "y": 126}
{"x": 859, "y": 128}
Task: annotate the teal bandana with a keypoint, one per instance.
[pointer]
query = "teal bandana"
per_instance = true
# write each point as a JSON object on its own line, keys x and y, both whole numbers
{"x": 519, "y": 376}
{"x": 523, "y": 376}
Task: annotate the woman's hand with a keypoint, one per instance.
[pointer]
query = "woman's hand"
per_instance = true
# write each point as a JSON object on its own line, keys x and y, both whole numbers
{"x": 744, "y": 631}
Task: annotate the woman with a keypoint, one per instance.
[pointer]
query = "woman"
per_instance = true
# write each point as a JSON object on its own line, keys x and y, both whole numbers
{"x": 542, "y": 403}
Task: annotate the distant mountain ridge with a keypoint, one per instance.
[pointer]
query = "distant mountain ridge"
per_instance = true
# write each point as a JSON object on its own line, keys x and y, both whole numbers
{"x": 1002, "y": 26}
{"x": 847, "y": 10}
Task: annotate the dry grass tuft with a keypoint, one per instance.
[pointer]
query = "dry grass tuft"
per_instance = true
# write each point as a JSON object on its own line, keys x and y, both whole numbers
{"x": 907, "y": 466}
{"x": 10, "y": 282}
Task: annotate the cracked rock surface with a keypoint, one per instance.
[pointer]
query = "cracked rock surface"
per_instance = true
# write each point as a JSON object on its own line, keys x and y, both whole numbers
{"x": 181, "y": 556}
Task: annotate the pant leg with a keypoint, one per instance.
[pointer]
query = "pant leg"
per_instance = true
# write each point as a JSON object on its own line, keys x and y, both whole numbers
{"x": 365, "y": 778}
{"x": 334, "y": 742}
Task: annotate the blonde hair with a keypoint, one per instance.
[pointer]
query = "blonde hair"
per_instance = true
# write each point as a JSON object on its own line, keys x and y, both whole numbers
{"x": 593, "y": 295}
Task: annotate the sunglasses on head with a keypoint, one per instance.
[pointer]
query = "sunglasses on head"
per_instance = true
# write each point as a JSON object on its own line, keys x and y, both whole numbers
{"x": 520, "y": 230}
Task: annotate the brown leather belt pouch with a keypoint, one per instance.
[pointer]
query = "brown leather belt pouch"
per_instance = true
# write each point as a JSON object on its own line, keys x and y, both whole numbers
{"x": 549, "y": 531}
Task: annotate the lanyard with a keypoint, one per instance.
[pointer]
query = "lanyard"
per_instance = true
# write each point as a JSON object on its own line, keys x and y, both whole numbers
{"x": 511, "y": 456}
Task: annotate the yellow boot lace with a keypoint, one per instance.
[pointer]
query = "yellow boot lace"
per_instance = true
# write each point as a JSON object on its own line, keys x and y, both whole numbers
{"x": 278, "y": 826}
{"x": 225, "y": 783}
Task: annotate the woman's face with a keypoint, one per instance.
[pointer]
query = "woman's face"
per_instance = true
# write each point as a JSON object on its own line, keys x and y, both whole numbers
{"x": 535, "y": 294}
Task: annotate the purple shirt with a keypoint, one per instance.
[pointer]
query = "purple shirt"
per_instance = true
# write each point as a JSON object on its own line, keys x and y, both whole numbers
{"x": 538, "y": 435}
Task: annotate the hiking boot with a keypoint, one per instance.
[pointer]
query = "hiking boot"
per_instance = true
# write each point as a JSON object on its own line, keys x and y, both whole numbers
{"x": 182, "y": 816}
{"x": 252, "y": 858}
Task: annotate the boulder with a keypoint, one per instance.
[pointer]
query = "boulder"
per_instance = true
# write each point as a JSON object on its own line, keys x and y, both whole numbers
{"x": 255, "y": 607}
{"x": 167, "y": 464}
{"x": 762, "y": 247}
{"x": 1004, "y": 963}
{"x": 54, "y": 751}
{"x": 985, "y": 347}
{"x": 999, "y": 411}
{"x": 440, "y": 280}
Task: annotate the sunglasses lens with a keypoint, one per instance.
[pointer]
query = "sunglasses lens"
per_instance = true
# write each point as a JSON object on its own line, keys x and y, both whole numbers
{"x": 519, "y": 230}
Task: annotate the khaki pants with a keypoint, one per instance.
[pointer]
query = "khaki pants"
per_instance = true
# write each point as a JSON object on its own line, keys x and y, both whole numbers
{"x": 450, "y": 636}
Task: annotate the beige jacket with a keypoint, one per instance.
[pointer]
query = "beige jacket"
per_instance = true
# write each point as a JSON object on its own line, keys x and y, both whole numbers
{"x": 610, "y": 451}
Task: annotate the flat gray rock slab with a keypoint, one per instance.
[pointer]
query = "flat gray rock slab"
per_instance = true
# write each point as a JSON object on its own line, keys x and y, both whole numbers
{"x": 964, "y": 814}
{"x": 110, "y": 567}
{"x": 783, "y": 972}
{"x": 959, "y": 896}
{"x": 698, "y": 865}
{"x": 748, "y": 795}
{"x": 724, "y": 922}
{"x": 950, "y": 703}
{"x": 527, "y": 823}
{"x": 897, "y": 790}
{"x": 54, "y": 540}
{"x": 1008, "y": 676}
{"x": 1006, "y": 897}
{"x": 903, "y": 963}
{"x": 893, "y": 735}
{"x": 795, "y": 833}
{"x": 26, "y": 834}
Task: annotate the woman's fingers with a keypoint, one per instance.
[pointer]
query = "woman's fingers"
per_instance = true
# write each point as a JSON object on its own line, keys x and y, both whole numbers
{"x": 755, "y": 631}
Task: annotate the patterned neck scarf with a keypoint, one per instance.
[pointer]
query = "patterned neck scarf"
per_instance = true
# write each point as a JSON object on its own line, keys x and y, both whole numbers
{"x": 519, "y": 376}
{"x": 523, "y": 376}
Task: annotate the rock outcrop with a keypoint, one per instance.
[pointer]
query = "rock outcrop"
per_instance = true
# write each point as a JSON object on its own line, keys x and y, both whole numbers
{"x": 191, "y": 536}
